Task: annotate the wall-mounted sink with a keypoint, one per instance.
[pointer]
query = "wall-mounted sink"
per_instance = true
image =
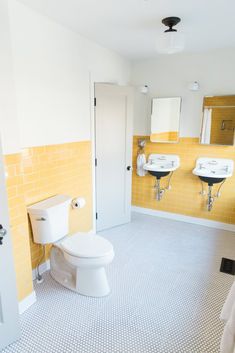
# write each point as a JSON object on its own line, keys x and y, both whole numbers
{"x": 213, "y": 170}
{"x": 160, "y": 165}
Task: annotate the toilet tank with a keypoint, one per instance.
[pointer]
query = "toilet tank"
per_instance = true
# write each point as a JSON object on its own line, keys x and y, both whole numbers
{"x": 50, "y": 219}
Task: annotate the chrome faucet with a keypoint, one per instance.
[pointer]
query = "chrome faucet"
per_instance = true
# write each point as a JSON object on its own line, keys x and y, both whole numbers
{"x": 226, "y": 168}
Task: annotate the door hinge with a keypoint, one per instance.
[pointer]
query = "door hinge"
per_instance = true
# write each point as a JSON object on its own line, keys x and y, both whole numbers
{"x": 96, "y": 162}
{"x": 96, "y": 215}
{"x": 94, "y": 102}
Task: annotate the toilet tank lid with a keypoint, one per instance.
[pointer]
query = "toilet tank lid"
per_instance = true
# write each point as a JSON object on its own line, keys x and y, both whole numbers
{"x": 48, "y": 203}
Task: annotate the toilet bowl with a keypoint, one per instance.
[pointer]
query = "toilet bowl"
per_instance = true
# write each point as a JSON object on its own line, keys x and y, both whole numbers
{"x": 87, "y": 255}
{"x": 77, "y": 261}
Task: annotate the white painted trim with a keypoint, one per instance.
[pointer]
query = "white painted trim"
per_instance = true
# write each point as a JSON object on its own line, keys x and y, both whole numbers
{"x": 45, "y": 266}
{"x": 31, "y": 298}
{"x": 93, "y": 154}
{"x": 27, "y": 302}
{"x": 183, "y": 218}
{"x": 93, "y": 80}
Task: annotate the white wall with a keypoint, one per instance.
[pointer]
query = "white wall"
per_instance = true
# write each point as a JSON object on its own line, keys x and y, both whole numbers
{"x": 8, "y": 112}
{"x": 169, "y": 76}
{"x": 142, "y": 113}
{"x": 53, "y": 67}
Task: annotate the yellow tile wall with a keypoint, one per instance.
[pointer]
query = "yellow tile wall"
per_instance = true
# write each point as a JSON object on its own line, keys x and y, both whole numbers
{"x": 184, "y": 196}
{"x": 59, "y": 169}
{"x": 165, "y": 136}
{"x": 34, "y": 175}
{"x": 19, "y": 225}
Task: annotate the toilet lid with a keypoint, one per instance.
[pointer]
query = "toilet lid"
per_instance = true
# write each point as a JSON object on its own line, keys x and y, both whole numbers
{"x": 86, "y": 245}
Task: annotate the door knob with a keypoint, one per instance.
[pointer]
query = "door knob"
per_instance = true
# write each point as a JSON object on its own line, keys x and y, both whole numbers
{"x": 129, "y": 168}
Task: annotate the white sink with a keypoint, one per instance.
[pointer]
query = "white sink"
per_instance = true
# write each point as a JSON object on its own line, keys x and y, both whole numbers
{"x": 160, "y": 165}
{"x": 213, "y": 170}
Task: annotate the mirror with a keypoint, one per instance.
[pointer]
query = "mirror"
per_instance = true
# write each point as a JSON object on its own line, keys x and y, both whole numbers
{"x": 218, "y": 121}
{"x": 165, "y": 119}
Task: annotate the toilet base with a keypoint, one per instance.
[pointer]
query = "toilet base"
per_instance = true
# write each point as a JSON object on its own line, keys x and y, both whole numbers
{"x": 90, "y": 282}
{"x": 61, "y": 271}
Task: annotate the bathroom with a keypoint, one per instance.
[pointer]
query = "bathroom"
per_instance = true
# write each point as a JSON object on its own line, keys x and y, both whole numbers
{"x": 166, "y": 287}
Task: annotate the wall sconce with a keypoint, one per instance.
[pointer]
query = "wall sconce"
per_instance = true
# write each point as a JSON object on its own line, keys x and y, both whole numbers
{"x": 194, "y": 86}
{"x": 144, "y": 89}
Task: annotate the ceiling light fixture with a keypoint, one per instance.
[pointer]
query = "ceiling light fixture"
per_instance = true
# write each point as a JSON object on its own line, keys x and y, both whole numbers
{"x": 170, "y": 41}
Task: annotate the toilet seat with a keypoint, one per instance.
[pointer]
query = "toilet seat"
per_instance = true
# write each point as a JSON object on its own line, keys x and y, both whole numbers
{"x": 86, "y": 245}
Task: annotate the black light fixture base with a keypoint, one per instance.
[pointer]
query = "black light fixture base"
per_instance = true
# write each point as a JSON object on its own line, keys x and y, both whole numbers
{"x": 171, "y": 22}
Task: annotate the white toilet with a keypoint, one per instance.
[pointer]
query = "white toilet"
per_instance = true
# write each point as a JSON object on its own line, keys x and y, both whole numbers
{"x": 77, "y": 261}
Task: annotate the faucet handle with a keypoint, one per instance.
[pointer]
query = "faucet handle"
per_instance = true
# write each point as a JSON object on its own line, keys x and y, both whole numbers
{"x": 213, "y": 162}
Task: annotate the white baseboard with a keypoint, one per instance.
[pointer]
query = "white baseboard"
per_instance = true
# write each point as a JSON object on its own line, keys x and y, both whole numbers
{"x": 187, "y": 219}
{"x": 27, "y": 302}
{"x": 45, "y": 266}
{"x": 31, "y": 298}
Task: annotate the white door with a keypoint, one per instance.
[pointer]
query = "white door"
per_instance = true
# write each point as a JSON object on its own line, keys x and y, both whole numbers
{"x": 113, "y": 125}
{"x": 9, "y": 317}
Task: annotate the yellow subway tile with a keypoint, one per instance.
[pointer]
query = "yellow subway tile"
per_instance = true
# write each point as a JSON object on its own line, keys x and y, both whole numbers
{"x": 35, "y": 174}
{"x": 12, "y": 159}
{"x": 14, "y": 181}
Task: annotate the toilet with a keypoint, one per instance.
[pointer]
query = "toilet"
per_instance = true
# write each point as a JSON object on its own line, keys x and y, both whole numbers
{"x": 77, "y": 261}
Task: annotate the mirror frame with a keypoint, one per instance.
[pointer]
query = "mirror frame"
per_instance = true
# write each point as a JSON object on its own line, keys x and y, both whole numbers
{"x": 232, "y": 97}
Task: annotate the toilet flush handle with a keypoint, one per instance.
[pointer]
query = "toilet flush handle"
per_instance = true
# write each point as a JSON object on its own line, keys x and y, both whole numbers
{"x": 41, "y": 219}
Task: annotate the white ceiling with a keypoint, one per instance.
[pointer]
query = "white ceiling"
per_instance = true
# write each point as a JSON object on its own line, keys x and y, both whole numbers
{"x": 130, "y": 27}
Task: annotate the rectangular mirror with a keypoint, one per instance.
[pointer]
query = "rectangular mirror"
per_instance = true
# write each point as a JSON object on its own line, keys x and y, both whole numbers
{"x": 165, "y": 119}
{"x": 218, "y": 121}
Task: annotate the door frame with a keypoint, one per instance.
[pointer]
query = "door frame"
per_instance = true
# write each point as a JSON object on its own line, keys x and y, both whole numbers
{"x": 124, "y": 95}
{"x": 92, "y": 82}
{"x": 10, "y": 255}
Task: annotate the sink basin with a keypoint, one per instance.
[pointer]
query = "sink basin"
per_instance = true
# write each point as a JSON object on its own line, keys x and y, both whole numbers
{"x": 213, "y": 170}
{"x": 160, "y": 165}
